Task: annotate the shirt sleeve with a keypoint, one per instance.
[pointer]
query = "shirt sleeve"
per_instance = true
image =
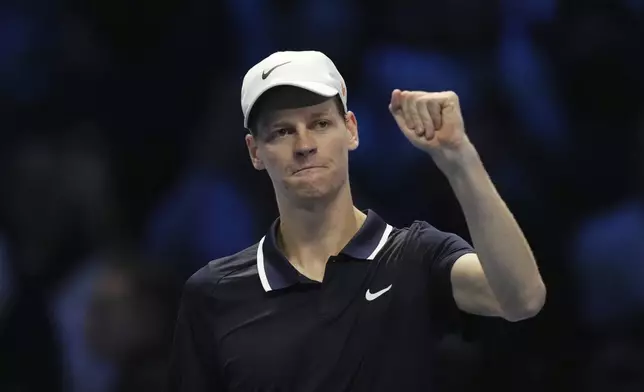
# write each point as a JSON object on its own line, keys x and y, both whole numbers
{"x": 193, "y": 366}
{"x": 438, "y": 250}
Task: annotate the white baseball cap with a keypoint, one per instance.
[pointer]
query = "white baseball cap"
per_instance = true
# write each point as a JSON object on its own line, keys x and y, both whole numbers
{"x": 310, "y": 70}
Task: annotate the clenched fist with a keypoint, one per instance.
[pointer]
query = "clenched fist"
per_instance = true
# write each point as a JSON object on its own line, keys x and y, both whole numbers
{"x": 432, "y": 122}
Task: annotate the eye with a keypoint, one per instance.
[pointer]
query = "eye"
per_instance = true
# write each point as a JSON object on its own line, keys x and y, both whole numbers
{"x": 281, "y": 132}
{"x": 322, "y": 124}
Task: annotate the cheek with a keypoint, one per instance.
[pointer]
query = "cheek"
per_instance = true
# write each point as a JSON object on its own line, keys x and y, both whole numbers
{"x": 338, "y": 149}
{"x": 275, "y": 160}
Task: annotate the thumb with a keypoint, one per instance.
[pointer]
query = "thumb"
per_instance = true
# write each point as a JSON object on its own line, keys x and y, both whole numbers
{"x": 396, "y": 101}
{"x": 400, "y": 120}
{"x": 395, "y": 107}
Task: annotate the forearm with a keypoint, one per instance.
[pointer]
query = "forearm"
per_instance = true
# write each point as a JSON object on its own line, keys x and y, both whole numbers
{"x": 503, "y": 251}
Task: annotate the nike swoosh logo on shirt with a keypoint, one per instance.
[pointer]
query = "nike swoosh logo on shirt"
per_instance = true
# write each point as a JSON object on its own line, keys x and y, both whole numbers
{"x": 266, "y": 73}
{"x": 369, "y": 296}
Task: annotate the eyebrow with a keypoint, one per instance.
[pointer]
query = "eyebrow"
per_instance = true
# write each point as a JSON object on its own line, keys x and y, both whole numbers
{"x": 269, "y": 123}
{"x": 323, "y": 113}
{"x": 277, "y": 124}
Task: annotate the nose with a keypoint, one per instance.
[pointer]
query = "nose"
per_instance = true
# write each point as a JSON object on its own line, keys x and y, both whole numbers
{"x": 305, "y": 144}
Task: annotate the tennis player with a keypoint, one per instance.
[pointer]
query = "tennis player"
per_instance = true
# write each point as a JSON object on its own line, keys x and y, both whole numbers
{"x": 333, "y": 298}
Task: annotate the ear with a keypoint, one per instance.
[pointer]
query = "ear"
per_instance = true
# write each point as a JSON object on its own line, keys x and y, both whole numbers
{"x": 352, "y": 128}
{"x": 251, "y": 143}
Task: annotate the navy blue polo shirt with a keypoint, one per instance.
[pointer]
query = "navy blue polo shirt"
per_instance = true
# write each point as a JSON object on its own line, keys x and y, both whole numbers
{"x": 252, "y": 322}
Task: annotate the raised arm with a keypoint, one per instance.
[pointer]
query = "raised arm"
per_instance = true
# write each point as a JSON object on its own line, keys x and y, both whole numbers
{"x": 501, "y": 278}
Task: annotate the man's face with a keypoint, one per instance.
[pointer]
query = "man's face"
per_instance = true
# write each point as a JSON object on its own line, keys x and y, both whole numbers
{"x": 303, "y": 142}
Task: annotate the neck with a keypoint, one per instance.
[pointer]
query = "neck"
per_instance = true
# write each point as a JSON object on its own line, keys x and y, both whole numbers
{"x": 309, "y": 236}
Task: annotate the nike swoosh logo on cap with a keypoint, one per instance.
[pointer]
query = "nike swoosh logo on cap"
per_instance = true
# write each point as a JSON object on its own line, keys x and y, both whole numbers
{"x": 266, "y": 73}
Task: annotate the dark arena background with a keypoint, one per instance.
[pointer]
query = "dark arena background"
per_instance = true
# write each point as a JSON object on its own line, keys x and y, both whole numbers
{"x": 123, "y": 170}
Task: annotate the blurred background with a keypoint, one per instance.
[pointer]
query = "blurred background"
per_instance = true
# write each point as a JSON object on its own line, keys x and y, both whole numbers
{"x": 123, "y": 170}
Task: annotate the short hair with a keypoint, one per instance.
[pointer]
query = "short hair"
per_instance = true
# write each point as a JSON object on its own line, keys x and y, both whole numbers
{"x": 260, "y": 106}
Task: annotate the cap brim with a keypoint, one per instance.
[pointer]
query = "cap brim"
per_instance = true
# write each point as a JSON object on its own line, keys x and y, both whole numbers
{"x": 314, "y": 87}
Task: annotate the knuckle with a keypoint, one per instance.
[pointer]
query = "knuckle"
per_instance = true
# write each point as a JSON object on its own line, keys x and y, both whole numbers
{"x": 412, "y": 96}
{"x": 451, "y": 95}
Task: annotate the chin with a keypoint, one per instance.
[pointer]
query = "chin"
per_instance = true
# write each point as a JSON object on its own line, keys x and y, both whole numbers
{"x": 312, "y": 190}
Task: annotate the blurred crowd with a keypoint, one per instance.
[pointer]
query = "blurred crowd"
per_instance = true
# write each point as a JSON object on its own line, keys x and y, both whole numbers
{"x": 123, "y": 170}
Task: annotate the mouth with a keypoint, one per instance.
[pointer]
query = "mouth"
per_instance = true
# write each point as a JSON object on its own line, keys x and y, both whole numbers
{"x": 306, "y": 169}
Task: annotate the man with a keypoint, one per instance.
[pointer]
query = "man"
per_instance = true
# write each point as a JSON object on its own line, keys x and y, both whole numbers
{"x": 333, "y": 298}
